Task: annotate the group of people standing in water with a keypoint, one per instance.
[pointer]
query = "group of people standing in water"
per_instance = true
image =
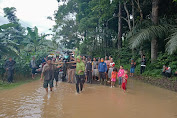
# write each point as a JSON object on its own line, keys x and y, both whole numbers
{"x": 81, "y": 69}
{"x": 84, "y": 70}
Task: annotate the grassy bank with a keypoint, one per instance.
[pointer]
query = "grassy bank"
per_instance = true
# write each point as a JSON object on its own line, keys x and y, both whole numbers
{"x": 5, "y": 85}
{"x": 167, "y": 83}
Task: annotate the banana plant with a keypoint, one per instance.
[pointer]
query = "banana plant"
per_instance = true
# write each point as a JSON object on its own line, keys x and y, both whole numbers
{"x": 7, "y": 46}
{"x": 33, "y": 38}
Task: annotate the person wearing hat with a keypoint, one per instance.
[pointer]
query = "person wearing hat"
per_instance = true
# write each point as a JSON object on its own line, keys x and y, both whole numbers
{"x": 48, "y": 73}
{"x": 10, "y": 66}
{"x": 80, "y": 76}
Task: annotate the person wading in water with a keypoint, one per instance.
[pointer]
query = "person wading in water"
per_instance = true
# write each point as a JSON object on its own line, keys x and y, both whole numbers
{"x": 48, "y": 73}
{"x": 80, "y": 76}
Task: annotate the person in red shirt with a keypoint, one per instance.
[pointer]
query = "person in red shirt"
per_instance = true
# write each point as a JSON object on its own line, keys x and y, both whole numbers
{"x": 113, "y": 77}
{"x": 124, "y": 81}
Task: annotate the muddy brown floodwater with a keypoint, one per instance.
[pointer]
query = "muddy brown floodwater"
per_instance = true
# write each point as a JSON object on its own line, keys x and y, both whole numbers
{"x": 96, "y": 101}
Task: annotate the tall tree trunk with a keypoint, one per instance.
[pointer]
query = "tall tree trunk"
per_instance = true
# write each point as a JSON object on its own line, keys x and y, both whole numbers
{"x": 139, "y": 9}
{"x": 154, "y": 45}
{"x": 133, "y": 13}
{"x": 120, "y": 26}
{"x": 133, "y": 19}
{"x": 128, "y": 16}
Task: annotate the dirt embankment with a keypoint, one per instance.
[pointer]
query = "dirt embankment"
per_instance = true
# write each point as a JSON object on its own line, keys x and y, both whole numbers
{"x": 168, "y": 83}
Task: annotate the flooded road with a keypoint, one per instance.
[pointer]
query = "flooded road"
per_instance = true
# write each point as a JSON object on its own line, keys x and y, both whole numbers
{"x": 96, "y": 101}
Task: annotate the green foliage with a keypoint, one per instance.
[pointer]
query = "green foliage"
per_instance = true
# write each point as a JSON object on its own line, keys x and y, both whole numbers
{"x": 94, "y": 31}
{"x": 7, "y": 46}
{"x": 172, "y": 43}
{"x": 10, "y": 14}
{"x": 22, "y": 47}
{"x": 149, "y": 33}
{"x": 155, "y": 69}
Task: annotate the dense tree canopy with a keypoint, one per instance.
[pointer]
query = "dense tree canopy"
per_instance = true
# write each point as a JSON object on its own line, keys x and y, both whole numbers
{"x": 97, "y": 21}
{"x": 22, "y": 43}
{"x": 122, "y": 28}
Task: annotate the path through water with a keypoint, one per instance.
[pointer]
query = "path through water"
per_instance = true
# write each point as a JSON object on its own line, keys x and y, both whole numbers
{"x": 96, "y": 101}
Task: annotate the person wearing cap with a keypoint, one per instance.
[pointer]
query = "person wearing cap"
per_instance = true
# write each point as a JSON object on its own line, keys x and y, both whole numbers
{"x": 48, "y": 73}
{"x": 9, "y": 67}
{"x": 80, "y": 76}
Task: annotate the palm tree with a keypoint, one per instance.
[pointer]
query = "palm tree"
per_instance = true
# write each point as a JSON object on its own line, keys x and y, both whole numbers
{"x": 154, "y": 46}
{"x": 153, "y": 32}
{"x": 165, "y": 31}
{"x": 38, "y": 42}
{"x": 171, "y": 46}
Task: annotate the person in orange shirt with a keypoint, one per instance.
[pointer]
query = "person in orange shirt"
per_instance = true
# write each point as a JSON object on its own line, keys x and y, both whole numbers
{"x": 113, "y": 77}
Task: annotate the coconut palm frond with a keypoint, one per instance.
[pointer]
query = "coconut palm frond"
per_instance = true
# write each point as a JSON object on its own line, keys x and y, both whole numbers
{"x": 159, "y": 31}
{"x": 138, "y": 27}
{"x": 171, "y": 46}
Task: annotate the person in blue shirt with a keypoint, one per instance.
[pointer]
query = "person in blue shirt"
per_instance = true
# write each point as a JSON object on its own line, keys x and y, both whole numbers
{"x": 102, "y": 68}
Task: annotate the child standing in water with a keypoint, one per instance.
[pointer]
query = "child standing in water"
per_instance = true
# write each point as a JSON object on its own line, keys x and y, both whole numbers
{"x": 120, "y": 74}
{"x": 124, "y": 80}
{"x": 113, "y": 77}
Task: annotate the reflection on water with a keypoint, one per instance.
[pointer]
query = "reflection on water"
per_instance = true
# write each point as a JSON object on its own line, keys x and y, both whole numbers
{"x": 30, "y": 106}
{"x": 96, "y": 101}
